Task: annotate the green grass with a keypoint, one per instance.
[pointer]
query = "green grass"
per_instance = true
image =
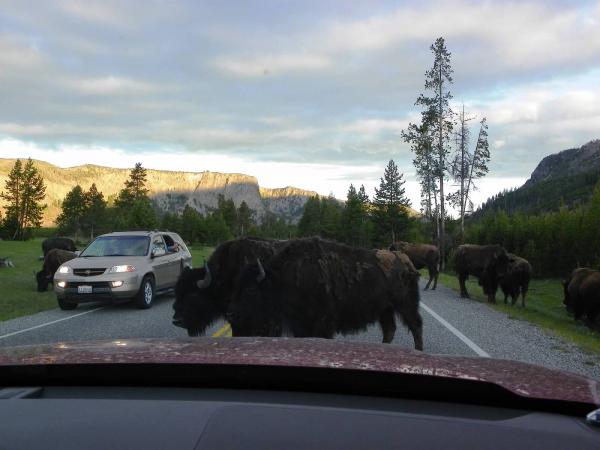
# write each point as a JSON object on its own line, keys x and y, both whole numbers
{"x": 543, "y": 307}
{"x": 18, "y": 294}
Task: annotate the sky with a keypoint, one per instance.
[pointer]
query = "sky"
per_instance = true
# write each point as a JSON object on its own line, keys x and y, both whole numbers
{"x": 313, "y": 94}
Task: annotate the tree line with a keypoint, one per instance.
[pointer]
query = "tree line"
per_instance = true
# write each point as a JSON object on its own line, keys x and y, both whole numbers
{"x": 360, "y": 221}
{"x": 553, "y": 242}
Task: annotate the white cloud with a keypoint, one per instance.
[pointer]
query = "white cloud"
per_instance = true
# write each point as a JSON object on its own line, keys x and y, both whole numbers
{"x": 266, "y": 65}
{"x": 111, "y": 85}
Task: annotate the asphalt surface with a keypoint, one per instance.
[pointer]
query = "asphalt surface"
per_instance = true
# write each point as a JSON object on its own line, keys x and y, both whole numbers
{"x": 451, "y": 326}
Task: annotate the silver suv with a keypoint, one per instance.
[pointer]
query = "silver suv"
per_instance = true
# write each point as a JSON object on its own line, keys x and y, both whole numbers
{"x": 122, "y": 266}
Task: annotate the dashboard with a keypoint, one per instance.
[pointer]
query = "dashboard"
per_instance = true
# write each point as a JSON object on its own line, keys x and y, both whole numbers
{"x": 101, "y": 417}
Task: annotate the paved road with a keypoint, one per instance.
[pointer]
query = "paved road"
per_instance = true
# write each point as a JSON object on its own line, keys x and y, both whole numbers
{"x": 451, "y": 326}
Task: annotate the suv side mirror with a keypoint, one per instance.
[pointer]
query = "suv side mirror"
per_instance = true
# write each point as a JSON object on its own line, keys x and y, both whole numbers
{"x": 157, "y": 252}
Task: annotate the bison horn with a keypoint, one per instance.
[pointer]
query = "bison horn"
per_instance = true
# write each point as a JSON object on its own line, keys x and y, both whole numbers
{"x": 261, "y": 271}
{"x": 205, "y": 282}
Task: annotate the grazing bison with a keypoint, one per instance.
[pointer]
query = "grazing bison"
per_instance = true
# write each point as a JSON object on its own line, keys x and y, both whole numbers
{"x": 516, "y": 279}
{"x": 582, "y": 294}
{"x": 62, "y": 243}
{"x": 202, "y": 295}
{"x": 52, "y": 262}
{"x": 421, "y": 255}
{"x": 486, "y": 262}
{"x": 317, "y": 288}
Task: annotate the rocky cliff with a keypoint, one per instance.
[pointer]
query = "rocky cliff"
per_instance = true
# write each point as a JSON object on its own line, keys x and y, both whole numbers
{"x": 567, "y": 163}
{"x": 171, "y": 191}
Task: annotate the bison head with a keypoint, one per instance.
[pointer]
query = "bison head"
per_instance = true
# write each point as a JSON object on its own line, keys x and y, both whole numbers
{"x": 253, "y": 311}
{"x": 196, "y": 305}
{"x": 43, "y": 279}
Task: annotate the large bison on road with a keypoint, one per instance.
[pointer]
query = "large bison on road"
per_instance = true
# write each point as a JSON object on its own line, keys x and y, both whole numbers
{"x": 421, "y": 255}
{"x": 582, "y": 294}
{"x": 516, "y": 279}
{"x": 202, "y": 295}
{"x": 317, "y": 288}
{"x": 486, "y": 262}
{"x": 62, "y": 243}
{"x": 52, "y": 261}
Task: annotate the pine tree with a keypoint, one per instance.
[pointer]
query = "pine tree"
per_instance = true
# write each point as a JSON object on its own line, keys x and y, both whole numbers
{"x": 310, "y": 222}
{"x": 228, "y": 211}
{"x": 391, "y": 206}
{"x": 437, "y": 115}
{"x": 94, "y": 216}
{"x": 244, "y": 219}
{"x": 134, "y": 208}
{"x": 25, "y": 190}
{"x": 331, "y": 213}
{"x": 73, "y": 211}
{"x": 135, "y": 187}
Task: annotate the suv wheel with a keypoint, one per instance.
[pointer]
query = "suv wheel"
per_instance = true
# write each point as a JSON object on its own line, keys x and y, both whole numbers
{"x": 65, "y": 305}
{"x": 145, "y": 296}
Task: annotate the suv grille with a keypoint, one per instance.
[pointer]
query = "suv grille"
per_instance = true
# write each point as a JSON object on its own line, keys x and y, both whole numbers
{"x": 94, "y": 284}
{"x": 88, "y": 272}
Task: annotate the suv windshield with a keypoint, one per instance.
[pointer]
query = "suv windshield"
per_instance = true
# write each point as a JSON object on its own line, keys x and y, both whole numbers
{"x": 118, "y": 246}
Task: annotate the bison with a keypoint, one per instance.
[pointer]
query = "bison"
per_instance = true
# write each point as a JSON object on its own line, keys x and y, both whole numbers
{"x": 317, "y": 288}
{"x": 516, "y": 279}
{"x": 53, "y": 260}
{"x": 202, "y": 295}
{"x": 486, "y": 262}
{"x": 421, "y": 255}
{"x": 62, "y": 243}
{"x": 582, "y": 294}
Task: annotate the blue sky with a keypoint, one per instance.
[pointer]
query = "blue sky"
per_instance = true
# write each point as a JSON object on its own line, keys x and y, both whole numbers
{"x": 312, "y": 94}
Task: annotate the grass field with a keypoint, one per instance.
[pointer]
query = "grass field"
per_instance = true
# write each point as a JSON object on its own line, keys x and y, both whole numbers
{"x": 18, "y": 294}
{"x": 544, "y": 308}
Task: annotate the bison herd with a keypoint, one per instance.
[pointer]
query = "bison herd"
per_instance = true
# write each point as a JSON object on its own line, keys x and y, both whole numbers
{"x": 314, "y": 287}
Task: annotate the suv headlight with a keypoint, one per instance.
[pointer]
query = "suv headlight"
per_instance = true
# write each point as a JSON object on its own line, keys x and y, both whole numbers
{"x": 64, "y": 269}
{"x": 123, "y": 268}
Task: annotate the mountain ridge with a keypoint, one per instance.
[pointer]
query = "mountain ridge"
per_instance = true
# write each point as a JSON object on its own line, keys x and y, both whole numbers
{"x": 170, "y": 190}
{"x": 566, "y": 178}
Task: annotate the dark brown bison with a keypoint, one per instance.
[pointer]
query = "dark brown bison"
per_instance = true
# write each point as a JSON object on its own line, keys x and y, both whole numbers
{"x": 582, "y": 294}
{"x": 421, "y": 255}
{"x": 53, "y": 260}
{"x": 317, "y": 288}
{"x": 62, "y": 243}
{"x": 515, "y": 281}
{"x": 202, "y": 295}
{"x": 486, "y": 262}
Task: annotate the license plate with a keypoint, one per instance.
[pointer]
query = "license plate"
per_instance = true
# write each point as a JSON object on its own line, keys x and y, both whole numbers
{"x": 84, "y": 289}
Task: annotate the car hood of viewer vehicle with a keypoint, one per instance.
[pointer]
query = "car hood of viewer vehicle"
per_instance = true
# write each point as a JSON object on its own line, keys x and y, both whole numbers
{"x": 523, "y": 379}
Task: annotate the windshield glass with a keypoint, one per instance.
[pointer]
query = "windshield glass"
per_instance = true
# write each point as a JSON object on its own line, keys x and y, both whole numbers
{"x": 118, "y": 246}
{"x": 420, "y": 175}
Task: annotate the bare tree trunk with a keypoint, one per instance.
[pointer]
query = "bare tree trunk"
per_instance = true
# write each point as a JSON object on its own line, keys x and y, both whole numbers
{"x": 462, "y": 176}
{"x": 442, "y": 233}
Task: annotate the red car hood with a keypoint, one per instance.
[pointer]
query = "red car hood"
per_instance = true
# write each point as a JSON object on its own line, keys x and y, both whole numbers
{"x": 523, "y": 379}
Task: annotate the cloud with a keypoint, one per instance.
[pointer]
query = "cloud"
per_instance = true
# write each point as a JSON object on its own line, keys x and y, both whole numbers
{"x": 111, "y": 85}
{"x": 300, "y": 83}
{"x": 267, "y": 65}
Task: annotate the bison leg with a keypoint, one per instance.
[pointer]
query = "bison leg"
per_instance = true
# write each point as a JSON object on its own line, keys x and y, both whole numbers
{"x": 387, "y": 322}
{"x": 414, "y": 322}
{"x": 430, "y": 279}
{"x": 435, "y": 280}
{"x": 463, "y": 289}
{"x": 523, "y": 294}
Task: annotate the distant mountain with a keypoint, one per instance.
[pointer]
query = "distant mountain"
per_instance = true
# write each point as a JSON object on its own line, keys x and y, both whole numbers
{"x": 566, "y": 178}
{"x": 171, "y": 191}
